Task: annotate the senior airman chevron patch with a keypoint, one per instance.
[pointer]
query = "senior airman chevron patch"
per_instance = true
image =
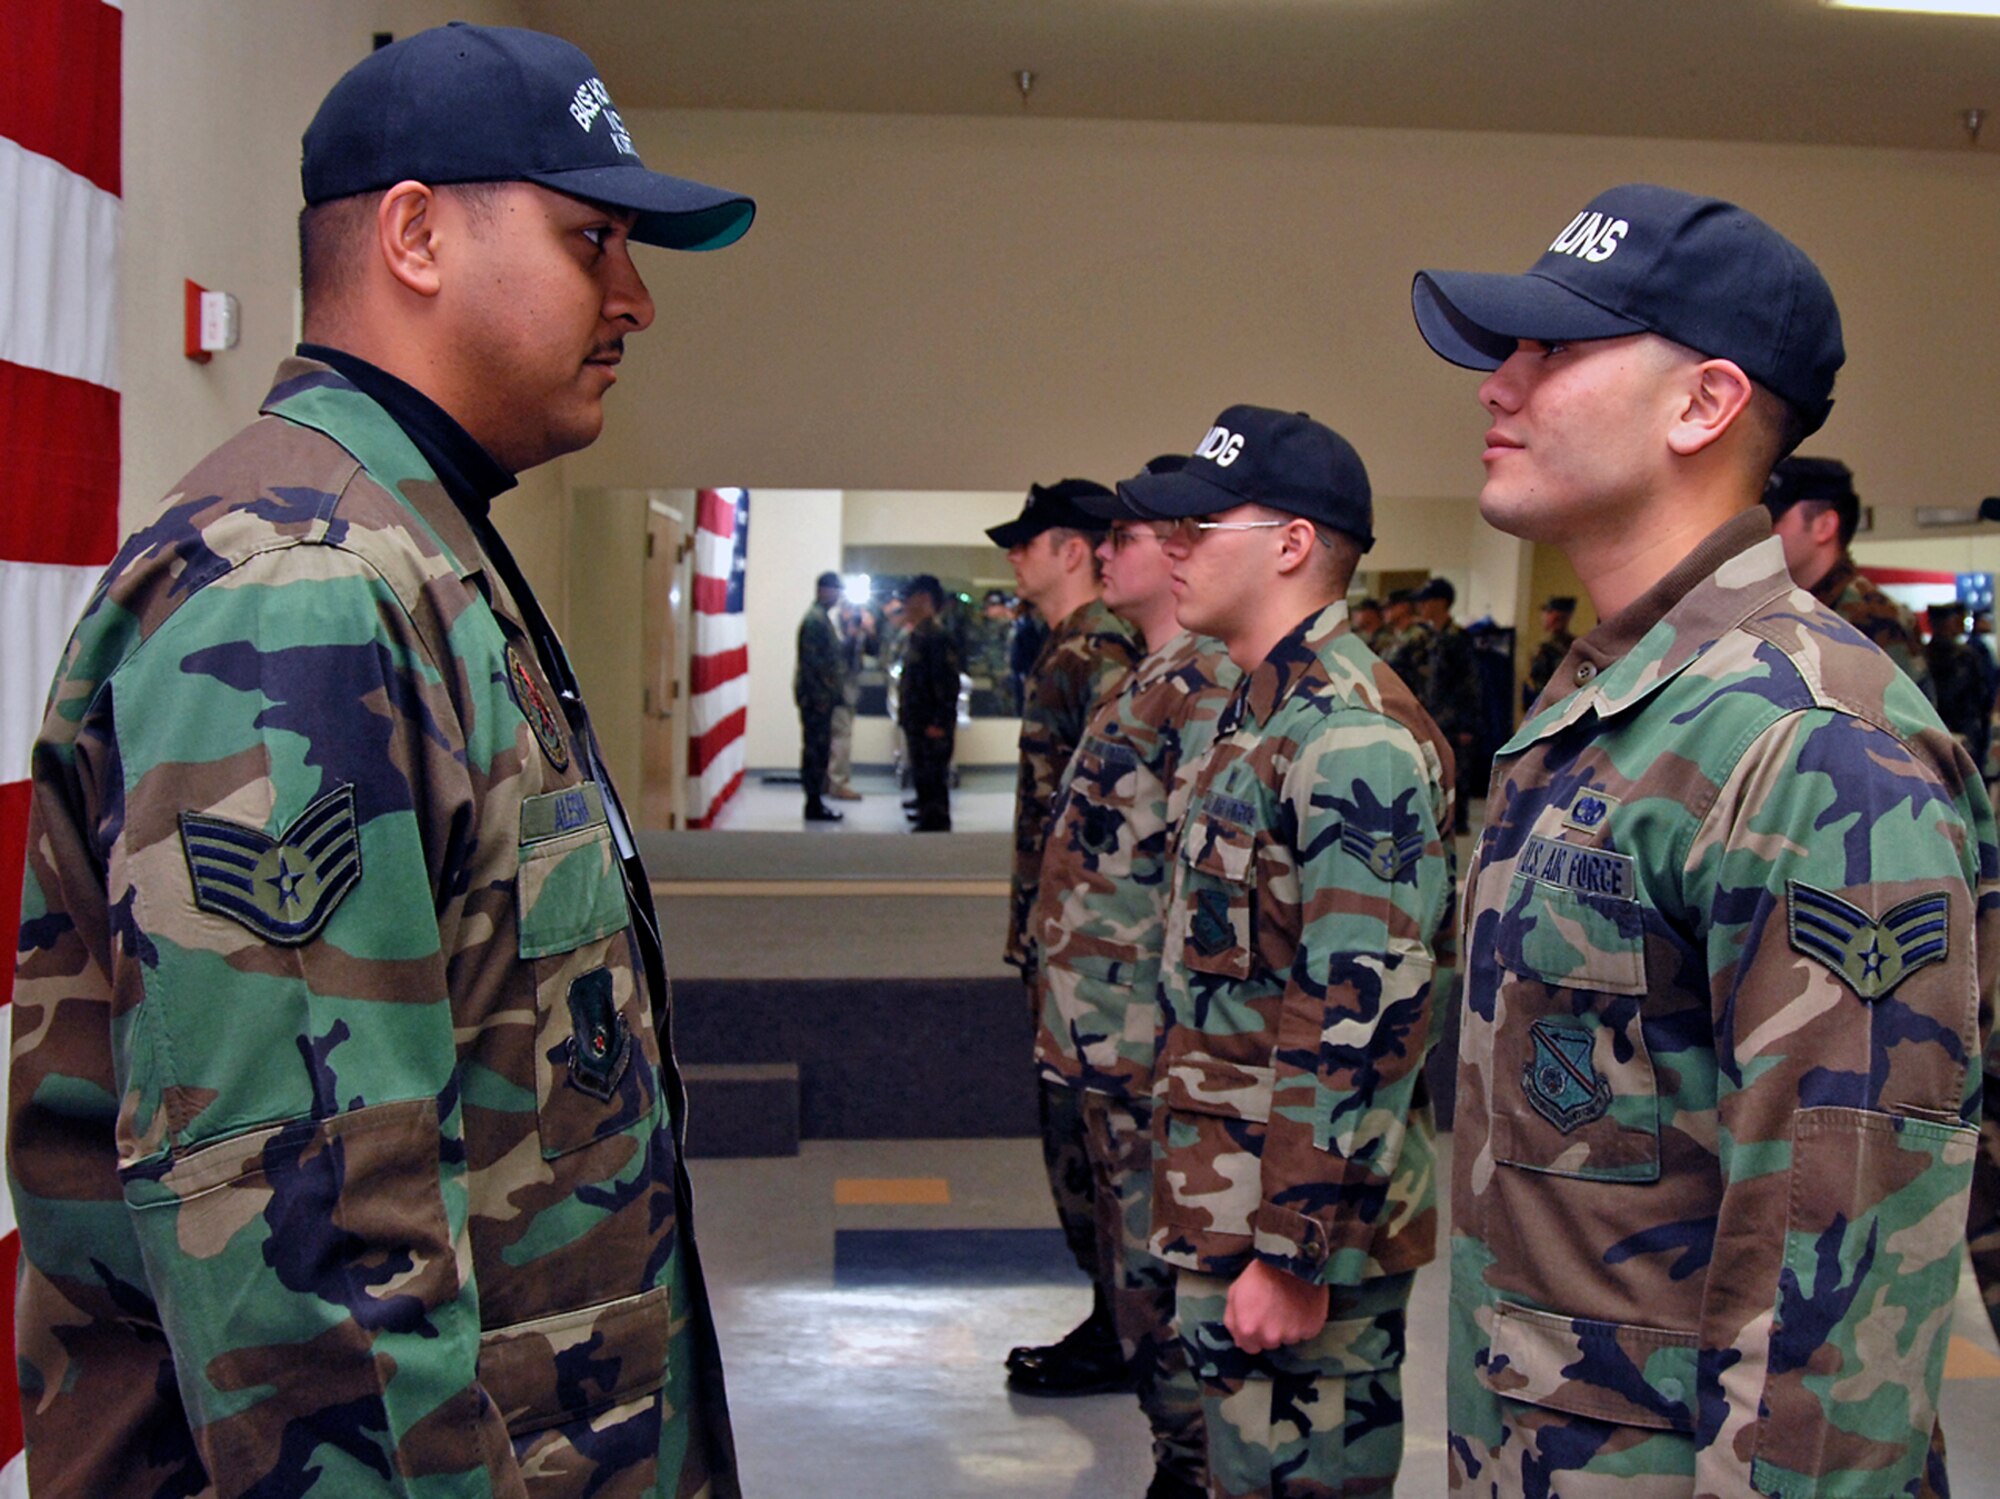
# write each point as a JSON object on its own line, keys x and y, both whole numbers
{"x": 1386, "y": 855}
{"x": 1870, "y": 957}
{"x": 282, "y": 888}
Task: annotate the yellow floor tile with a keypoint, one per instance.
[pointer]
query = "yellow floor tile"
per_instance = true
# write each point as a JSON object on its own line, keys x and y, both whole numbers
{"x": 884, "y": 1191}
{"x": 1965, "y": 1359}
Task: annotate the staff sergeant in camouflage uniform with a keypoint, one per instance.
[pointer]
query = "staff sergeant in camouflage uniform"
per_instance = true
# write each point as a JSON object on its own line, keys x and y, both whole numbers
{"x": 1294, "y": 1159}
{"x": 345, "y": 1130}
{"x": 1098, "y": 921}
{"x": 1728, "y": 929}
{"x": 1814, "y": 513}
{"x": 1051, "y": 546}
{"x": 818, "y": 688}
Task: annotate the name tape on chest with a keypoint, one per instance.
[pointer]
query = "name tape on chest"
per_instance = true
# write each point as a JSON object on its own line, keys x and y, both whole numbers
{"x": 1231, "y": 809}
{"x": 1581, "y": 871}
{"x": 1109, "y": 751}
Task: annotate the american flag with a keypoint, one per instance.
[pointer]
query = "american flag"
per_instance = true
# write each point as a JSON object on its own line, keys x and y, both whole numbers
{"x": 720, "y": 670}
{"x": 59, "y": 124}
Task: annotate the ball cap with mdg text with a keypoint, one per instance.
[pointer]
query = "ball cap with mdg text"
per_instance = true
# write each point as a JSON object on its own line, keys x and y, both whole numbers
{"x": 465, "y": 103}
{"x": 1050, "y": 506}
{"x": 1254, "y": 455}
{"x": 1646, "y": 259}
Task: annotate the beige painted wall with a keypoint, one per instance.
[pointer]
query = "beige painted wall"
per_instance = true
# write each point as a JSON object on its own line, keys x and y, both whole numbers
{"x": 217, "y": 94}
{"x": 975, "y": 303}
{"x": 970, "y": 304}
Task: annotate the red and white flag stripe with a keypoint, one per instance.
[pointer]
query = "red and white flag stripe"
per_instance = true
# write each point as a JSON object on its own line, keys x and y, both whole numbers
{"x": 719, "y": 671}
{"x": 60, "y": 109}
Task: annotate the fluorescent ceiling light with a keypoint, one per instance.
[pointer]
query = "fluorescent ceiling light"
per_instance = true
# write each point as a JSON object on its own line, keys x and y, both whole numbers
{"x": 1924, "y": 7}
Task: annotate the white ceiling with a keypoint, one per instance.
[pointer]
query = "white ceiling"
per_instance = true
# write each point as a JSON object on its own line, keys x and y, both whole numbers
{"x": 1764, "y": 70}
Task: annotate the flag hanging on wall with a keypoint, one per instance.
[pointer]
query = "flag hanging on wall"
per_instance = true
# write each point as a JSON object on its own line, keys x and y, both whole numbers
{"x": 719, "y": 673}
{"x": 59, "y": 180}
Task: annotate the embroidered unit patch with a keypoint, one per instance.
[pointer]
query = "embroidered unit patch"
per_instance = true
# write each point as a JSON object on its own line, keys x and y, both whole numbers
{"x": 1870, "y": 957}
{"x": 1386, "y": 855}
{"x": 1561, "y": 1080}
{"x": 600, "y": 1042}
{"x": 1590, "y": 811}
{"x": 1210, "y": 928}
{"x": 535, "y": 708}
{"x": 285, "y": 888}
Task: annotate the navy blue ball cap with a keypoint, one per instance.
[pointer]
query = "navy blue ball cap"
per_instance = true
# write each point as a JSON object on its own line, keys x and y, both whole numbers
{"x": 1077, "y": 504}
{"x": 1254, "y": 455}
{"x": 1110, "y": 506}
{"x": 464, "y": 103}
{"x": 1646, "y": 259}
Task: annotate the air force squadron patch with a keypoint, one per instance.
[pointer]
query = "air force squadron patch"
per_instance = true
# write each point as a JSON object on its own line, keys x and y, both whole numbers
{"x": 282, "y": 888}
{"x": 1561, "y": 1078}
{"x": 1870, "y": 957}
{"x": 535, "y": 708}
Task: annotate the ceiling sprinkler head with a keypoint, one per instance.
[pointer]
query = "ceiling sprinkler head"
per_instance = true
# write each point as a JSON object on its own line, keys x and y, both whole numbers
{"x": 1972, "y": 120}
{"x": 1025, "y": 82}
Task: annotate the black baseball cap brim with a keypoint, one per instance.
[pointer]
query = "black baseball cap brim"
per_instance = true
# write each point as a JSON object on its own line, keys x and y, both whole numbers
{"x": 673, "y": 212}
{"x": 1174, "y": 496}
{"x": 1475, "y": 318}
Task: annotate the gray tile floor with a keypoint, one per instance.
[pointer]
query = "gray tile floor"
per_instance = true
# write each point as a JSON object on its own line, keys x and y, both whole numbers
{"x": 865, "y": 1393}
{"x": 896, "y": 1393}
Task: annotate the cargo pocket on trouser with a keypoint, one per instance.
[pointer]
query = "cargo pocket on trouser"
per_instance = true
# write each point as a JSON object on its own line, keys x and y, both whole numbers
{"x": 1574, "y": 1091}
{"x": 1857, "y": 1347}
{"x": 595, "y": 1057}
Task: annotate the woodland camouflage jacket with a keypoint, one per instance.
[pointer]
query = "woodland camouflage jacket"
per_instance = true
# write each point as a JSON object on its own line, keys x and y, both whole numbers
{"x": 340, "y": 1141}
{"x": 1728, "y": 930}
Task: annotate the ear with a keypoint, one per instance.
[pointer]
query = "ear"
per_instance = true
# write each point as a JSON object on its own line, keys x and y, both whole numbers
{"x": 1296, "y": 541}
{"x": 1077, "y": 551}
{"x": 1825, "y": 526}
{"x": 1716, "y": 396}
{"x": 406, "y": 236}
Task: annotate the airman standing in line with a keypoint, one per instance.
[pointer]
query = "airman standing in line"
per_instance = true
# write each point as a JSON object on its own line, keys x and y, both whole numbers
{"x": 1052, "y": 547}
{"x": 1730, "y": 929}
{"x": 1294, "y": 1159}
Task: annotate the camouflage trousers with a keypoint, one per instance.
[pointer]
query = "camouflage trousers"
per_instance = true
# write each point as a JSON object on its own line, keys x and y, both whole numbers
{"x": 1067, "y": 1161}
{"x": 1139, "y": 1289}
{"x": 1984, "y": 1237}
{"x": 1321, "y": 1419}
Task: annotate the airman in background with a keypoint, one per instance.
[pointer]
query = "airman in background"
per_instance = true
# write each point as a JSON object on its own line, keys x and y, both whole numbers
{"x": 1294, "y": 1160}
{"x": 1098, "y": 919}
{"x": 1088, "y": 650}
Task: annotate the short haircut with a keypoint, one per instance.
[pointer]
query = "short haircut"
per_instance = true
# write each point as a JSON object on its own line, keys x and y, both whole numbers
{"x": 332, "y": 234}
{"x": 1778, "y": 427}
{"x": 1060, "y": 535}
{"x": 928, "y": 586}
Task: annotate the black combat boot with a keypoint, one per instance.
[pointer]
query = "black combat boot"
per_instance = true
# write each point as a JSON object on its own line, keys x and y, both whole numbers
{"x": 1085, "y": 1361}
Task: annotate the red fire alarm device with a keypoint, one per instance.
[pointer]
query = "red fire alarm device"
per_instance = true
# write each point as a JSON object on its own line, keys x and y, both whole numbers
{"x": 211, "y": 322}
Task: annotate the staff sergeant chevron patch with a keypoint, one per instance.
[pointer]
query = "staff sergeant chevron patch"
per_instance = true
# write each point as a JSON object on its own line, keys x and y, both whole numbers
{"x": 1870, "y": 957}
{"x": 282, "y": 888}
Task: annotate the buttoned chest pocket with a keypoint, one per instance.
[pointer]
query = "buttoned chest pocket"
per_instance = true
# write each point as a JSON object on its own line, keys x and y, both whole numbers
{"x": 1573, "y": 1090}
{"x": 594, "y": 1053}
{"x": 1215, "y": 913}
{"x": 1098, "y": 815}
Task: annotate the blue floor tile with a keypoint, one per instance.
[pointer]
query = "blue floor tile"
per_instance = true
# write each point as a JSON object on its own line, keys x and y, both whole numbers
{"x": 952, "y": 1257}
